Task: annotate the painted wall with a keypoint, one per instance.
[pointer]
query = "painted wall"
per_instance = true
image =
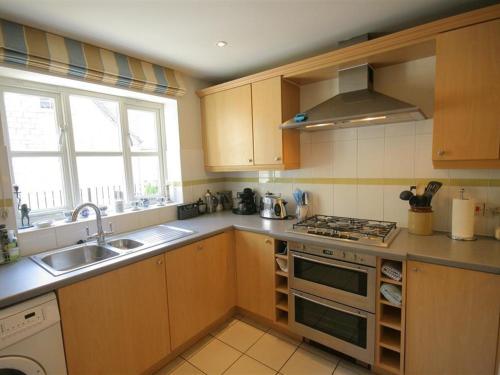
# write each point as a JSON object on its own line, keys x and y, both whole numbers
{"x": 360, "y": 172}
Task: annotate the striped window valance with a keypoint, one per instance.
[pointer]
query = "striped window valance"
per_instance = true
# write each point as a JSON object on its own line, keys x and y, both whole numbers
{"x": 46, "y": 52}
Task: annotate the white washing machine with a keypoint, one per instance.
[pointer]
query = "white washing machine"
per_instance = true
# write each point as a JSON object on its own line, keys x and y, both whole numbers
{"x": 30, "y": 338}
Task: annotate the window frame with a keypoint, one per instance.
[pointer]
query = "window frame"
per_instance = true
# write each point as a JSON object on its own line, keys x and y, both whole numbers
{"x": 67, "y": 152}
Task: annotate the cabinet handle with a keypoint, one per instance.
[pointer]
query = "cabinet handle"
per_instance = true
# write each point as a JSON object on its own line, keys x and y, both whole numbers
{"x": 199, "y": 247}
{"x": 440, "y": 152}
{"x": 277, "y": 158}
{"x": 159, "y": 261}
{"x": 250, "y": 160}
{"x": 414, "y": 269}
{"x": 268, "y": 241}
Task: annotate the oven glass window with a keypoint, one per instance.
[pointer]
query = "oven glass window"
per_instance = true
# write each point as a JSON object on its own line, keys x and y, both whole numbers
{"x": 344, "y": 326}
{"x": 330, "y": 275}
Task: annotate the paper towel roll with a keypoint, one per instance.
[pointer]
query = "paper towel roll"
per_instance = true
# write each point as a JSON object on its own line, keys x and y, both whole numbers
{"x": 462, "y": 220}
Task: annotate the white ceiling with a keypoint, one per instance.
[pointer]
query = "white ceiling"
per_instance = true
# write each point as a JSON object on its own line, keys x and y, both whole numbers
{"x": 261, "y": 33}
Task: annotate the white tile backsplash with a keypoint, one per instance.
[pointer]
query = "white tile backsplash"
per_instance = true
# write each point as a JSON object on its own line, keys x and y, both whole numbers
{"x": 371, "y": 158}
{"x": 395, "y": 151}
{"x": 399, "y": 157}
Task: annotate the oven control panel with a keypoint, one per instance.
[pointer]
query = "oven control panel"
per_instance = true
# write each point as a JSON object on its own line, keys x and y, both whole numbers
{"x": 335, "y": 253}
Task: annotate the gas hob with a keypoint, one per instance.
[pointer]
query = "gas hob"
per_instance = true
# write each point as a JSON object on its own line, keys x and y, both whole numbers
{"x": 366, "y": 232}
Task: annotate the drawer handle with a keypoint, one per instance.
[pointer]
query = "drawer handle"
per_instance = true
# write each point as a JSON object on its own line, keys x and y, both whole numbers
{"x": 159, "y": 261}
{"x": 250, "y": 160}
{"x": 268, "y": 241}
{"x": 440, "y": 153}
{"x": 199, "y": 247}
{"x": 277, "y": 158}
{"x": 415, "y": 269}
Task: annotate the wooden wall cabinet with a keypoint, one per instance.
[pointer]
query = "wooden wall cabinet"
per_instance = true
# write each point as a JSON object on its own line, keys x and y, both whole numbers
{"x": 452, "y": 319}
{"x": 255, "y": 273}
{"x": 117, "y": 322}
{"x": 241, "y": 127}
{"x": 467, "y": 97}
{"x": 201, "y": 285}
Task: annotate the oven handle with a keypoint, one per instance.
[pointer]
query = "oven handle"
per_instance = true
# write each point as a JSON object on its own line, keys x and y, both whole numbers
{"x": 330, "y": 307}
{"x": 329, "y": 264}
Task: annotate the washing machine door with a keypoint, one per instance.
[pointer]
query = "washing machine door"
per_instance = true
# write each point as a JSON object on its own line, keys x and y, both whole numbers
{"x": 16, "y": 365}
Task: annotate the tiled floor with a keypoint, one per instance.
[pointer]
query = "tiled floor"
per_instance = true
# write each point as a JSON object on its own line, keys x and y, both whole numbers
{"x": 243, "y": 347}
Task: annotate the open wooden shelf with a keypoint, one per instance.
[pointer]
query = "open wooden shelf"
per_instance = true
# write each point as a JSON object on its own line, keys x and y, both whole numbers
{"x": 281, "y": 286}
{"x": 390, "y": 281}
{"x": 390, "y": 318}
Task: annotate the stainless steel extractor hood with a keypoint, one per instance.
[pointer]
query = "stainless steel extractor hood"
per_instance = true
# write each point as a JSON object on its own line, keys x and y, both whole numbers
{"x": 356, "y": 105}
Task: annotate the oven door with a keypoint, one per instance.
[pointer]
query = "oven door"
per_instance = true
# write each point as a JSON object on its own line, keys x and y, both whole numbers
{"x": 342, "y": 328}
{"x": 347, "y": 283}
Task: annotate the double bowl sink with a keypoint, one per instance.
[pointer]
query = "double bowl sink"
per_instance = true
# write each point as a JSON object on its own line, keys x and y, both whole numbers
{"x": 69, "y": 259}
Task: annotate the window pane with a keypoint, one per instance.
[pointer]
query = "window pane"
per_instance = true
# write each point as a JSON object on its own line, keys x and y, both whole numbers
{"x": 31, "y": 122}
{"x": 40, "y": 181}
{"x": 96, "y": 124}
{"x": 99, "y": 177}
{"x": 142, "y": 129}
{"x": 146, "y": 171}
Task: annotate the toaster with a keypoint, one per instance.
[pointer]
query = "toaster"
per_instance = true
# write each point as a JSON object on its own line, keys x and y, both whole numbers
{"x": 272, "y": 207}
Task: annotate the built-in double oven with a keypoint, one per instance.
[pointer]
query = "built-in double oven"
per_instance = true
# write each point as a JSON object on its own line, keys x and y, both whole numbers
{"x": 333, "y": 298}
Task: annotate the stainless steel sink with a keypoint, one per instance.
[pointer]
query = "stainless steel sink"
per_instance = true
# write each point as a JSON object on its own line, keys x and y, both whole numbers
{"x": 125, "y": 244}
{"x": 63, "y": 261}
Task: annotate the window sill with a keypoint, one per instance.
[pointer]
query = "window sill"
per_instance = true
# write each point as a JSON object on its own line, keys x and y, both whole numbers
{"x": 92, "y": 218}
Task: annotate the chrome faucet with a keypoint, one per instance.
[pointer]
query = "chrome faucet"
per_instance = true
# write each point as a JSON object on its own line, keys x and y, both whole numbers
{"x": 101, "y": 234}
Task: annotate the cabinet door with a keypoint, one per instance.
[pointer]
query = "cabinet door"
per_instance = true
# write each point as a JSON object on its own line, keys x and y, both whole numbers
{"x": 255, "y": 273}
{"x": 467, "y": 94}
{"x": 451, "y": 320}
{"x": 200, "y": 279}
{"x": 227, "y": 127}
{"x": 116, "y": 323}
{"x": 266, "y": 109}
{"x": 273, "y": 102}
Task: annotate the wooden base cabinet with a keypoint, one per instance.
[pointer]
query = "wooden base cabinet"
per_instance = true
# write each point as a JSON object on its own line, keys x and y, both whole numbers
{"x": 117, "y": 322}
{"x": 452, "y": 320}
{"x": 255, "y": 273}
{"x": 201, "y": 285}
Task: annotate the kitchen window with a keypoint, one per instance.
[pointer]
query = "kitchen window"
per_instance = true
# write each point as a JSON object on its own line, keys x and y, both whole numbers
{"x": 66, "y": 147}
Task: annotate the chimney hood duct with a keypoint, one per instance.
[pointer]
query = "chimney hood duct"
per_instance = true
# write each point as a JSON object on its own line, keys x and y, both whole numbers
{"x": 356, "y": 105}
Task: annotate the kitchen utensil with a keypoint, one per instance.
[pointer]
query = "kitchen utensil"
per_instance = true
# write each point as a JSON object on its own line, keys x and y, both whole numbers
{"x": 431, "y": 189}
{"x": 406, "y": 195}
{"x": 272, "y": 207}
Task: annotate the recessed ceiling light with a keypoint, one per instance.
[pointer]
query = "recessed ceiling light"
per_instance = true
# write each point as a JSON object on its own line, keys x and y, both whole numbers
{"x": 221, "y": 43}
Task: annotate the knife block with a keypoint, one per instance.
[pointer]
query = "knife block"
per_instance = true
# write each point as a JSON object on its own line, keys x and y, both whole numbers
{"x": 420, "y": 222}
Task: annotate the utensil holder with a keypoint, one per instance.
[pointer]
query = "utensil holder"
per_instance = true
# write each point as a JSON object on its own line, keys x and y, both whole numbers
{"x": 301, "y": 212}
{"x": 420, "y": 222}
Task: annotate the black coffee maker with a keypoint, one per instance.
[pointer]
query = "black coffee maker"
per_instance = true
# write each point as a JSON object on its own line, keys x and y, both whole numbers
{"x": 244, "y": 203}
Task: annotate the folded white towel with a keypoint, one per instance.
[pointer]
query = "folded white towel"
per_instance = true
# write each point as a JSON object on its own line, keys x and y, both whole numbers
{"x": 392, "y": 293}
{"x": 392, "y": 270}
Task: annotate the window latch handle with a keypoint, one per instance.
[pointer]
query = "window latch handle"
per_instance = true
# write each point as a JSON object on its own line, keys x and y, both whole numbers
{"x": 130, "y": 140}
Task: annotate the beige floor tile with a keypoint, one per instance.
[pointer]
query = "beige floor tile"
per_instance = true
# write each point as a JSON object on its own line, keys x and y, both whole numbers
{"x": 346, "y": 368}
{"x": 179, "y": 367}
{"x": 284, "y": 337}
{"x": 240, "y": 335}
{"x": 314, "y": 349}
{"x": 196, "y": 347}
{"x": 224, "y": 326}
{"x": 272, "y": 351}
{"x": 304, "y": 362}
{"x": 253, "y": 323}
{"x": 215, "y": 357}
{"x": 248, "y": 366}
